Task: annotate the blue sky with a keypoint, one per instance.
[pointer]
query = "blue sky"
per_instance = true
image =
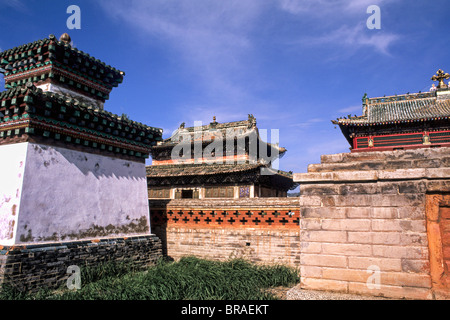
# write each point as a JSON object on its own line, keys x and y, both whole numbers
{"x": 294, "y": 64}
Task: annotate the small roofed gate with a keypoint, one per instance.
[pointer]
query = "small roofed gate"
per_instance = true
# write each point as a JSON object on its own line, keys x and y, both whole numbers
{"x": 438, "y": 229}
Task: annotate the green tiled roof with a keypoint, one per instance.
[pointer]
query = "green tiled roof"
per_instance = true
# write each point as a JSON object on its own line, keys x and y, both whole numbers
{"x": 197, "y": 169}
{"x": 213, "y": 129}
{"x": 52, "y": 114}
{"x": 28, "y": 62}
{"x": 401, "y": 109}
{"x": 205, "y": 169}
{"x": 220, "y": 173}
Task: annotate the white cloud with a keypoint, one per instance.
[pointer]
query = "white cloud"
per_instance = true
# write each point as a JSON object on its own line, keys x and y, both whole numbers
{"x": 355, "y": 38}
{"x": 342, "y": 23}
{"x": 303, "y": 6}
{"x": 351, "y": 109}
{"x": 211, "y": 37}
{"x": 15, "y": 4}
{"x": 308, "y": 123}
{"x": 327, "y": 7}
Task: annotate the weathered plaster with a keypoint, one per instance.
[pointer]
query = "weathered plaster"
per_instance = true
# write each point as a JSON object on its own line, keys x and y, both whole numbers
{"x": 12, "y": 165}
{"x": 72, "y": 195}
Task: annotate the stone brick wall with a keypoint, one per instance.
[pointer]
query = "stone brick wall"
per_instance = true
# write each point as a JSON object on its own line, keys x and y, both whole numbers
{"x": 259, "y": 229}
{"x": 32, "y": 267}
{"x": 363, "y": 218}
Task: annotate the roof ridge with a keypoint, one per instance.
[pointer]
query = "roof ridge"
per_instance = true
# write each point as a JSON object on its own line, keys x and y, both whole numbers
{"x": 204, "y": 164}
{"x": 50, "y": 38}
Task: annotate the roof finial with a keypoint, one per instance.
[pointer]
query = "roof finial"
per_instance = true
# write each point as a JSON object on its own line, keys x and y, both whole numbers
{"x": 440, "y": 76}
{"x": 65, "y": 38}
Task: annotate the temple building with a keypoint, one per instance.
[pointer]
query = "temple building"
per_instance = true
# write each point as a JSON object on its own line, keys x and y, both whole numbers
{"x": 73, "y": 174}
{"x": 217, "y": 160}
{"x": 407, "y": 121}
{"x": 60, "y": 147}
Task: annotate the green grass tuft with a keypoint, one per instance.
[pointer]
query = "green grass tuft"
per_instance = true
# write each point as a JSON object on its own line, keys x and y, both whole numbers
{"x": 190, "y": 278}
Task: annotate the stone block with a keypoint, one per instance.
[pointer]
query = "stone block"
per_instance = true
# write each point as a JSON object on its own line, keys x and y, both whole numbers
{"x": 384, "y": 213}
{"x": 412, "y": 213}
{"x": 388, "y": 187}
{"x": 310, "y": 201}
{"x": 385, "y": 264}
{"x": 402, "y": 174}
{"x": 323, "y": 236}
{"x": 310, "y": 271}
{"x": 374, "y": 237}
{"x": 323, "y": 212}
{"x": 429, "y": 163}
{"x": 357, "y": 212}
{"x": 322, "y": 260}
{"x": 387, "y": 225}
{"x": 358, "y": 188}
{"x": 318, "y": 190}
{"x": 414, "y": 239}
{"x": 332, "y": 158}
{"x": 323, "y": 284}
{"x": 402, "y": 252}
{"x": 345, "y": 274}
{"x": 395, "y": 292}
{"x": 412, "y": 187}
{"x": 386, "y": 277}
{"x": 310, "y": 247}
{"x": 310, "y": 224}
{"x": 347, "y": 249}
{"x": 416, "y": 266}
{"x": 346, "y": 224}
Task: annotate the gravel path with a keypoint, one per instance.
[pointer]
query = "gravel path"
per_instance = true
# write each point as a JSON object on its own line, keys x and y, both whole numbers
{"x": 296, "y": 293}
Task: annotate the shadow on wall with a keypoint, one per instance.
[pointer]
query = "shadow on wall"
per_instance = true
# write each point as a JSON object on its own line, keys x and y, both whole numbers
{"x": 159, "y": 227}
{"x": 99, "y": 166}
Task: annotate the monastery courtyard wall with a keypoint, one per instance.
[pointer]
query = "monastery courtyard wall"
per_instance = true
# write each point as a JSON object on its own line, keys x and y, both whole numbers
{"x": 366, "y": 223}
{"x": 259, "y": 229}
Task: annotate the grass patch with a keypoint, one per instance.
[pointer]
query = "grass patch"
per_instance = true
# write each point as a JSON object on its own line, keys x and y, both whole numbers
{"x": 189, "y": 278}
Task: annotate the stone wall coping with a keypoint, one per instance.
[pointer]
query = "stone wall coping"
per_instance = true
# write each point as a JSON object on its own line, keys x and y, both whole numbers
{"x": 4, "y": 250}
{"x": 373, "y": 175}
{"x": 242, "y": 204}
{"x": 397, "y": 155}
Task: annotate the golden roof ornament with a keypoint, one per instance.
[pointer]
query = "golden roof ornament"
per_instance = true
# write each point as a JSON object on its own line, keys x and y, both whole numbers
{"x": 441, "y": 76}
{"x": 65, "y": 38}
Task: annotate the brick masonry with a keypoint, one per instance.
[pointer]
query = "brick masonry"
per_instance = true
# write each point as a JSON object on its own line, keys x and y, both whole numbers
{"x": 258, "y": 229}
{"x": 32, "y": 267}
{"x": 364, "y": 219}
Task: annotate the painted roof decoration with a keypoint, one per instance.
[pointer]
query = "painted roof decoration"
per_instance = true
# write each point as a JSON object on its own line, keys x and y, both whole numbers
{"x": 212, "y": 132}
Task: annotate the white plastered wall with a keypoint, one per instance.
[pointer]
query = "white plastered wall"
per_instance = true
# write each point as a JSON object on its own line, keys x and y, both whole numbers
{"x": 71, "y": 195}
